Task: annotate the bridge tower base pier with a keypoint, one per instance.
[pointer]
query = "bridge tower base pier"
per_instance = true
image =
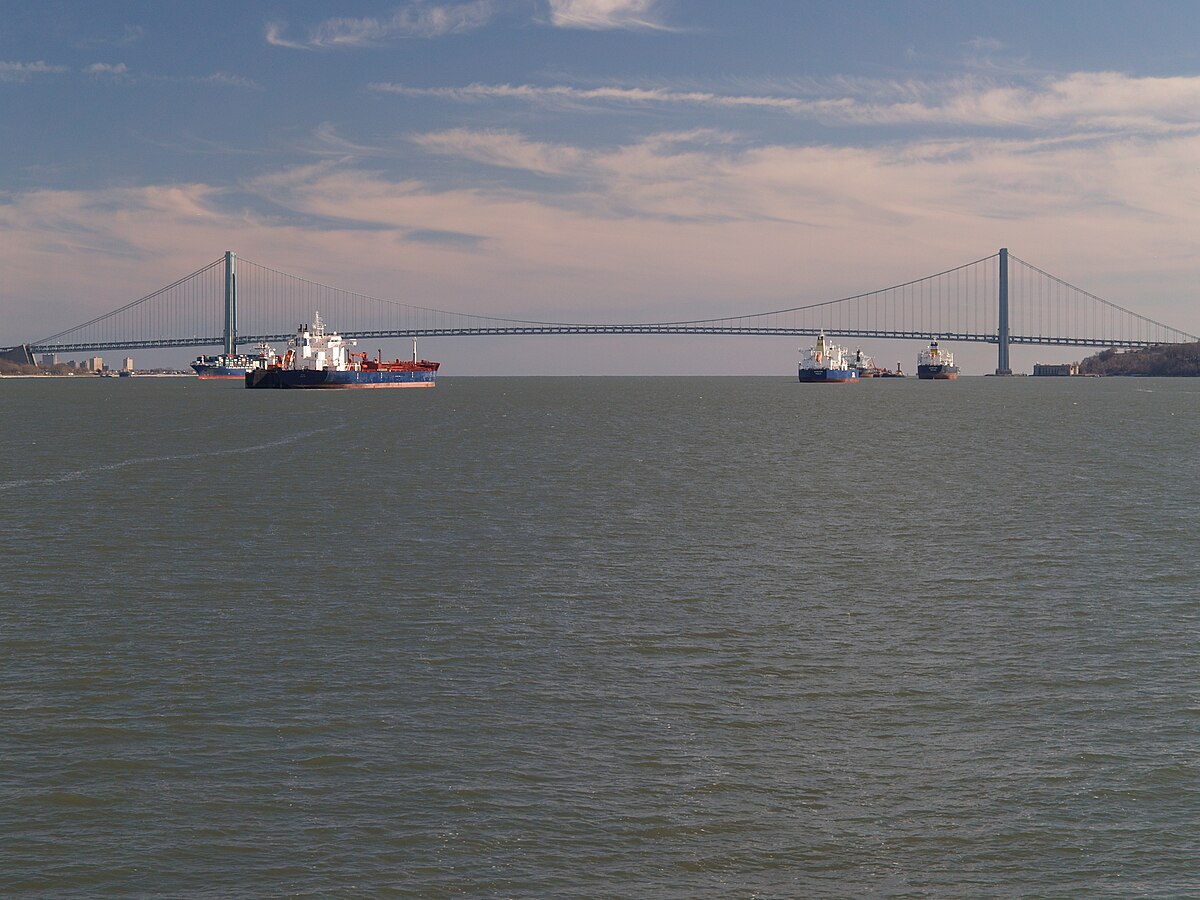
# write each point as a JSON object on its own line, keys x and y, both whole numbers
{"x": 1002, "y": 366}
{"x": 230, "y": 303}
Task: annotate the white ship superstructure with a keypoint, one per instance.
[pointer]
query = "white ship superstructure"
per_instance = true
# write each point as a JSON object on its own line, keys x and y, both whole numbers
{"x": 934, "y": 355}
{"x": 934, "y": 363}
{"x": 826, "y": 362}
{"x": 312, "y": 348}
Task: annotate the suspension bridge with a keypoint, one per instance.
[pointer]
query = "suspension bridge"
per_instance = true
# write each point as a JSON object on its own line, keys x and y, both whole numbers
{"x": 998, "y": 299}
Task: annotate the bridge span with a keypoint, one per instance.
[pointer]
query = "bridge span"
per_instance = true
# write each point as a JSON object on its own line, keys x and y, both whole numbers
{"x": 998, "y": 299}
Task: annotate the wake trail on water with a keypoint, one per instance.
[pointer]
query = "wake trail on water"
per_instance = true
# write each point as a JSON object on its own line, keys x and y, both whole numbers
{"x": 81, "y": 474}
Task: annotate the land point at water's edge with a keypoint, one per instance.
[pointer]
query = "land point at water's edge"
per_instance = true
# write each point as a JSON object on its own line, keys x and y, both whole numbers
{"x": 62, "y": 371}
{"x": 1161, "y": 361}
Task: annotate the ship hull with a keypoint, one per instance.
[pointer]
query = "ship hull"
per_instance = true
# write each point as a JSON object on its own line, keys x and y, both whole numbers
{"x": 827, "y": 376}
{"x": 332, "y": 380}
{"x": 940, "y": 372}
{"x": 228, "y": 372}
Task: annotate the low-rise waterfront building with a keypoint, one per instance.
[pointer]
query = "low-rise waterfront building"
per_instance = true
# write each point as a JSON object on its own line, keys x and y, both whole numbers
{"x": 1056, "y": 369}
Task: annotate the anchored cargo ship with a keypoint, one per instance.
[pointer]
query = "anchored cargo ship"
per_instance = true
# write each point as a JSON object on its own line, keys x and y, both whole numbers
{"x": 868, "y": 368}
{"x": 864, "y": 365}
{"x": 233, "y": 366}
{"x": 826, "y": 363}
{"x": 315, "y": 359}
{"x": 936, "y": 364}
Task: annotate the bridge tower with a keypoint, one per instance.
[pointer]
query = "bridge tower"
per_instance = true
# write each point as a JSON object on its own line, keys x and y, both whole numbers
{"x": 230, "y": 303}
{"x": 1002, "y": 367}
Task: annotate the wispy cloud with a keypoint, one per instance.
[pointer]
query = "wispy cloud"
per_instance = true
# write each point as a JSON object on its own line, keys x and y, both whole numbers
{"x": 1086, "y": 100}
{"x": 225, "y": 79}
{"x": 606, "y": 14}
{"x": 130, "y": 36}
{"x": 984, "y": 45}
{"x": 512, "y": 150}
{"x": 506, "y": 149}
{"x": 107, "y": 70}
{"x": 565, "y": 95}
{"x": 275, "y": 37}
{"x": 23, "y": 71}
{"x": 327, "y": 142}
{"x": 419, "y": 20}
{"x": 430, "y": 20}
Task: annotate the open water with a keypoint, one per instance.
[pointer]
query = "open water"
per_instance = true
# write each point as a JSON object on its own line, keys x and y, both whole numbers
{"x": 579, "y": 637}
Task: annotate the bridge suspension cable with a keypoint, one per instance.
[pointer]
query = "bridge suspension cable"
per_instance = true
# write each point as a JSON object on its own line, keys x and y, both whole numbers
{"x": 269, "y": 297}
{"x": 958, "y": 301}
{"x": 1047, "y": 310}
{"x": 189, "y": 305}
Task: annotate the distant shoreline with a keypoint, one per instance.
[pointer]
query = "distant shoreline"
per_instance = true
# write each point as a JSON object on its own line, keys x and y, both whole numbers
{"x": 91, "y": 375}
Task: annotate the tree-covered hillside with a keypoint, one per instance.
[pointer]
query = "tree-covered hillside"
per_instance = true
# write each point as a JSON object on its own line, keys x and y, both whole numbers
{"x": 1162, "y": 360}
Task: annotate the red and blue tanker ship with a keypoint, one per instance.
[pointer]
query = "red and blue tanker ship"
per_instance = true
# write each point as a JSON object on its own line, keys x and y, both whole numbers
{"x": 315, "y": 359}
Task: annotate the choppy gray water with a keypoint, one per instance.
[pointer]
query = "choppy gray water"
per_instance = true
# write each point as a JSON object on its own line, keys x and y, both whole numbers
{"x": 661, "y": 637}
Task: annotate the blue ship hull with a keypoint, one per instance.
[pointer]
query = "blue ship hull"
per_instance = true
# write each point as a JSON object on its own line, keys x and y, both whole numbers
{"x": 936, "y": 372}
{"x": 206, "y": 370}
{"x": 827, "y": 376}
{"x": 325, "y": 378}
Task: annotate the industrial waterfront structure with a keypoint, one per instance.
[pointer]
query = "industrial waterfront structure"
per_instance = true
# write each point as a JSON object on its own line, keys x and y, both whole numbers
{"x": 1056, "y": 369}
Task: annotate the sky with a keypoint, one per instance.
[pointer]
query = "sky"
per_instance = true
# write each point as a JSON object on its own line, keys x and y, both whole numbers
{"x": 599, "y": 160}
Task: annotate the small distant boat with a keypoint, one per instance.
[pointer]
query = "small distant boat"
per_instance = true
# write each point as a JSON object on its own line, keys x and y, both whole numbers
{"x": 315, "y": 359}
{"x": 826, "y": 363}
{"x": 936, "y": 364}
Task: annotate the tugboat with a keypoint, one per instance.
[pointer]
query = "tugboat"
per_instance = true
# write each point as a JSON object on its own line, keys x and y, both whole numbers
{"x": 315, "y": 359}
{"x": 826, "y": 364}
{"x": 935, "y": 364}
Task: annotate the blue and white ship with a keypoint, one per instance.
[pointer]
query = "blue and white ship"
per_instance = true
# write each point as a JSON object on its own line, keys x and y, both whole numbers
{"x": 315, "y": 359}
{"x": 936, "y": 364}
{"x": 827, "y": 363}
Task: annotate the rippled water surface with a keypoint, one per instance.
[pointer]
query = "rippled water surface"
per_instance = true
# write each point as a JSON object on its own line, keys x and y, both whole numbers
{"x": 658, "y": 637}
